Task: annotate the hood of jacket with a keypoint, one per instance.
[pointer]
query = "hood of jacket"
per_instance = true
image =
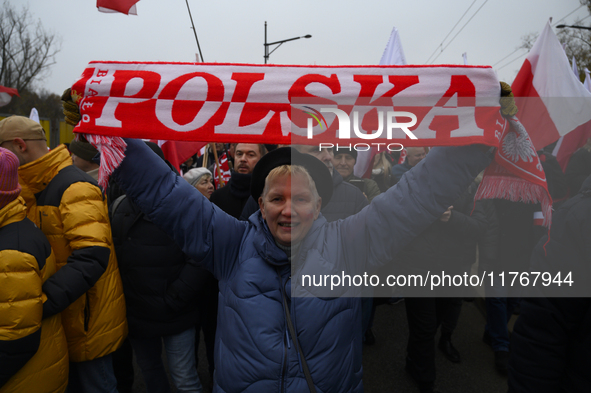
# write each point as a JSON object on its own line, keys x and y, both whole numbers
{"x": 13, "y": 212}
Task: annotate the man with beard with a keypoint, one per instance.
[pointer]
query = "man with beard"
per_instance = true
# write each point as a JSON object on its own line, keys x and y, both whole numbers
{"x": 233, "y": 196}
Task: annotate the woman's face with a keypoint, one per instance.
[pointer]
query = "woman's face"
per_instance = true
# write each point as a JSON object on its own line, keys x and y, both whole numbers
{"x": 205, "y": 186}
{"x": 289, "y": 207}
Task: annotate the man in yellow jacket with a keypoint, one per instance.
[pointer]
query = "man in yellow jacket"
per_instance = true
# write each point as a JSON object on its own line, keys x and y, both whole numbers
{"x": 69, "y": 207}
{"x": 33, "y": 352}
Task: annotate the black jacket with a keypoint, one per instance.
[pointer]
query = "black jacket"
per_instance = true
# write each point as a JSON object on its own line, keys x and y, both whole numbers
{"x": 577, "y": 170}
{"x": 551, "y": 341}
{"x": 160, "y": 282}
{"x": 233, "y": 196}
{"x": 451, "y": 245}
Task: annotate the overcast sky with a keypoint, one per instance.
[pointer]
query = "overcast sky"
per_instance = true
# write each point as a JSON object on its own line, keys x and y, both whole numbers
{"x": 343, "y": 32}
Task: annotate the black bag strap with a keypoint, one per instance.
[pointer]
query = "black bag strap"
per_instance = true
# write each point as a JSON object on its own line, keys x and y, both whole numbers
{"x": 297, "y": 345}
{"x": 115, "y": 205}
{"x": 120, "y": 232}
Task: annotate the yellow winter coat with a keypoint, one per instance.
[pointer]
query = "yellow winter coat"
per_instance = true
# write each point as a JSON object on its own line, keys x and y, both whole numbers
{"x": 71, "y": 210}
{"x": 26, "y": 262}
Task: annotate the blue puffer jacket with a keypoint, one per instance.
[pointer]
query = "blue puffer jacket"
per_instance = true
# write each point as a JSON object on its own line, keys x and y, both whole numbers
{"x": 254, "y": 351}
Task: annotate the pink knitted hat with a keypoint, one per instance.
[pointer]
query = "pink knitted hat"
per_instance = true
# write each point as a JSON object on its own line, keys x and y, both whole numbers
{"x": 9, "y": 187}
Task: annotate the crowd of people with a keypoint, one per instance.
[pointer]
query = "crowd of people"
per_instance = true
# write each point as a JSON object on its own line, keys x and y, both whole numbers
{"x": 92, "y": 276}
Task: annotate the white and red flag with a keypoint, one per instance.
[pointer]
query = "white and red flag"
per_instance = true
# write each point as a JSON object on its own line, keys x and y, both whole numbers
{"x": 571, "y": 142}
{"x": 552, "y": 102}
{"x": 123, "y": 6}
{"x": 6, "y": 94}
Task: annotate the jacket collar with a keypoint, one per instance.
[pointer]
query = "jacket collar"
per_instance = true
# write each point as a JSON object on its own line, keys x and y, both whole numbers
{"x": 265, "y": 243}
{"x": 37, "y": 174}
{"x": 351, "y": 177}
{"x": 240, "y": 184}
{"x": 13, "y": 212}
{"x": 266, "y": 247}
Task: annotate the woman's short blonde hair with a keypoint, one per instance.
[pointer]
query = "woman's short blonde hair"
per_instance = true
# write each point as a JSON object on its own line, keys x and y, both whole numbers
{"x": 290, "y": 170}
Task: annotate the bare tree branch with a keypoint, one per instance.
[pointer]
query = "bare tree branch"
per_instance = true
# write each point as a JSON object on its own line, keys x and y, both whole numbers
{"x": 27, "y": 50}
{"x": 577, "y": 42}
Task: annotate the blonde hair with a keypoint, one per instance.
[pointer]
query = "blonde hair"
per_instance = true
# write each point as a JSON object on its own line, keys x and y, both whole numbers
{"x": 290, "y": 170}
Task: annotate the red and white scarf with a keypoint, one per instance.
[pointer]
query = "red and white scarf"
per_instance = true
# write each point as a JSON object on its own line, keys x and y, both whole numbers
{"x": 516, "y": 173}
{"x": 452, "y": 106}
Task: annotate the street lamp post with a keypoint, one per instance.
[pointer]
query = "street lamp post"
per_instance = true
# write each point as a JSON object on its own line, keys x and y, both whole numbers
{"x": 574, "y": 27}
{"x": 278, "y": 43}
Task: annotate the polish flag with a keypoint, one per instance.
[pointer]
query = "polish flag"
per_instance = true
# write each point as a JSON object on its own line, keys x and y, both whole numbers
{"x": 571, "y": 142}
{"x": 552, "y": 102}
{"x": 6, "y": 94}
{"x": 539, "y": 218}
{"x": 393, "y": 55}
{"x": 123, "y": 6}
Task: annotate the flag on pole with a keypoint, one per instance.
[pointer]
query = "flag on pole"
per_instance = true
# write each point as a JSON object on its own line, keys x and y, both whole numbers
{"x": 34, "y": 115}
{"x": 123, "y": 6}
{"x": 6, "y": 94}
{"x": 552, "y": 102}
{"x": 393, "y": 55}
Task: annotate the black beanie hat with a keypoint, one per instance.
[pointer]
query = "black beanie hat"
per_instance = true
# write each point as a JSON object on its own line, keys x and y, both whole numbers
{"x": 83, "y": 149}
{"x": 289, "y": 156}
{"x": 345, "y": 150}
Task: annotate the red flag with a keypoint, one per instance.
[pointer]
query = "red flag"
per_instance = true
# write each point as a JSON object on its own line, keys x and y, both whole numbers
{"x": 552, "y": 102}
{"x": 224, "y": 171}
{"x": 177, "y": 152}
{"x": 123, "y": 6}
{"x": 402, "y": 156}
{"x": 6, "y": 94}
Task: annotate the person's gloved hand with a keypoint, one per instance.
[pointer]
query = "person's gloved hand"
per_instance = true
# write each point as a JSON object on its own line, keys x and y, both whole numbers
{"x": 508, "y": 106}
{"x": 71, "y": 110}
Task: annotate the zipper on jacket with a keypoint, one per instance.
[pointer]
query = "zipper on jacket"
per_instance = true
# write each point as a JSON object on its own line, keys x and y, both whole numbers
{"x": 293, "y": 320}
{"x": 86, "y": 313}
{"x": 294, "y": 326}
